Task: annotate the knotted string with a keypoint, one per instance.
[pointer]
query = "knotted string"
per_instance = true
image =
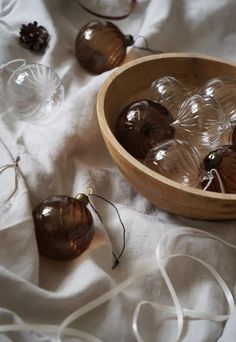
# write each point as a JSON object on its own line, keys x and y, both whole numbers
{"x": 177, "y": 310}
{"x": 211, "y": 177}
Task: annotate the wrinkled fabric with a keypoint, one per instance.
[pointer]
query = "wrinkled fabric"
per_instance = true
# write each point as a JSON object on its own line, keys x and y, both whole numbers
{"x": 66, "y": 155}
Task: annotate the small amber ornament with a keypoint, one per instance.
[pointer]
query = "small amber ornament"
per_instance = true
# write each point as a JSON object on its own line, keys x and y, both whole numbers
{"x": 223, "y": 160}
{"x": 101, "y": 46}
{"x": 142, "y": 124}
{"x": 63, "y": 227}
{"x": 234, "y": 136}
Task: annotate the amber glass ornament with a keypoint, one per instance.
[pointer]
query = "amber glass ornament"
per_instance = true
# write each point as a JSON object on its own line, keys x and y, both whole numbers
{"x": 63, "y": 227}
{"x": 223, "y": 160}
{"x": 142, "y": 124}
{"x": 234, "y": 136}
{"x": 177, "y": 160}
{"x": 101, "y": 46}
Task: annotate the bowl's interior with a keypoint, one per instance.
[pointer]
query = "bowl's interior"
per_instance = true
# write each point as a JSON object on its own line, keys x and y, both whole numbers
{"x": 131, "y": 82}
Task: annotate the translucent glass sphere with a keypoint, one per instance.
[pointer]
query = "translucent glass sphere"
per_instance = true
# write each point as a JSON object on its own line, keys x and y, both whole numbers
{"x": 176, "y": 160}
{"x": 200, "y": 121}
{"x": 34, "y": 90}
{"x": 223, "y": 91}
{"x": 170, "y": 92}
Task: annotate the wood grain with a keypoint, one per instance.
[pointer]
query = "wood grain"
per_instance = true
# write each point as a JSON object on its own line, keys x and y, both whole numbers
{"x": 128, "y": 83}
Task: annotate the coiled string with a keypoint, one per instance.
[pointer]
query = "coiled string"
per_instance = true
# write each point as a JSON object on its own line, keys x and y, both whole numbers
{"x": 176, "y": 311}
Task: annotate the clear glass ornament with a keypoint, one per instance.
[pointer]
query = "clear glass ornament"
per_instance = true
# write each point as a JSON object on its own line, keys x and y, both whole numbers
{"x": 177, "y": 160}
{"x": 34, "y": 90}
{"x": 200, "y": 121}
{"x": 223, "y": 91}
{"x": 170, "y": 92}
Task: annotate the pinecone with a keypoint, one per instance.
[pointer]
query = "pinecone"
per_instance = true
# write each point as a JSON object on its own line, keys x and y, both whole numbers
{"x": 34, "y": 37}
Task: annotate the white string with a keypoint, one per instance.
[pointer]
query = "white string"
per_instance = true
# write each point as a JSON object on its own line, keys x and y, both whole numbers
{"x": 7, "y": 65}
{"x": 46, "y": 328}
{"x": 95, "y": 303}
{"x": 186, "y": 312}
{"x": 176, "y": 310}
{"x": 15, "y": 166}
{"x": 211, "y": 177}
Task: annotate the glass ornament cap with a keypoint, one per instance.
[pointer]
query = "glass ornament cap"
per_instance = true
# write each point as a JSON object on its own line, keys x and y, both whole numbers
{"x": 34, "y": 90}
{"x": 200, "y": 121}
{"x": 141, "y": 124}
{"x": 170, "y": 92}
{"x": 63, "y": 227}
{"x": 101, "y": 46}
{"x": 177, "y": 160}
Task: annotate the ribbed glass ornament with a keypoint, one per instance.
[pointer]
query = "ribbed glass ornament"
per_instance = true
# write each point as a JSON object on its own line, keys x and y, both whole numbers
{"x": 142, "y": 124}
{"x": 101, "y": 46}
{"x": 170, "y": 92}
{"x": 176, "y": 160}
{"x": 223, "y": 91}
{"x": 200, "y": 121}
{"x": 63, "y": 227}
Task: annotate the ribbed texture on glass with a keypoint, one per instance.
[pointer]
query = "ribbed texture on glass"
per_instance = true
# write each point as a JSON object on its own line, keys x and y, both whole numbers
{"x": 63, "y": 227}
{"x": 176, "y": 160}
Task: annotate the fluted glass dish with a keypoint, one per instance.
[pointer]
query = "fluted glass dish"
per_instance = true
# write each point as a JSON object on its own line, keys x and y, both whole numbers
{"x": 34, "y": 91}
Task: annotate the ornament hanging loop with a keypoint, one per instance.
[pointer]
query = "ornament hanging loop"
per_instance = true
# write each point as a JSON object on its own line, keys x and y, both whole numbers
{"x": 15, "y": 166}
{"x": 85, "y": 199}
{"x": 211, "y": 175}
{"x": 145, "y": 47}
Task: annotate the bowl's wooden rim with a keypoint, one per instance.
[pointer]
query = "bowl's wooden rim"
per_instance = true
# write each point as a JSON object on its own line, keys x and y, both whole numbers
{"x": 109, "y": 136}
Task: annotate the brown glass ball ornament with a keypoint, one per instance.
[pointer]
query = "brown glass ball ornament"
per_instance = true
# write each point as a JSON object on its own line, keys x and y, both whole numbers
{"x": 101, "y": 46}
{"x": 63, "y": 227}
{"x": 223, "y": 160}
{"x": 141, "y": 125}
{"x": 234, "y": 136}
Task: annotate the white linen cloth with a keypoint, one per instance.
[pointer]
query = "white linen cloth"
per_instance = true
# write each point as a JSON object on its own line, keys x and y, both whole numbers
{"x": 67, "y": 155}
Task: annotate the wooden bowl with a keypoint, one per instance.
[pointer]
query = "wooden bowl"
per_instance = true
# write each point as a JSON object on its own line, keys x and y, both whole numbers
{"x": 128, "y": 83}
